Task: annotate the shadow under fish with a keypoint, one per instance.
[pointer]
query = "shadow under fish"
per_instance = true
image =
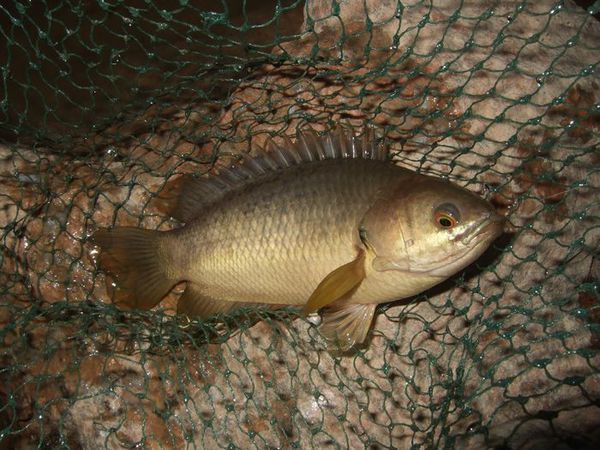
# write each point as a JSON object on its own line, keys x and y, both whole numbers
{"x": 328, "y": 223}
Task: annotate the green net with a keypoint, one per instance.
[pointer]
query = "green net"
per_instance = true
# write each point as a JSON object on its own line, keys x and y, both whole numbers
{"x": 103, "y": 102}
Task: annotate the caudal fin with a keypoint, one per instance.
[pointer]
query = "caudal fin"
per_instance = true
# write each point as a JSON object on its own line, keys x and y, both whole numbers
{"x": 132, "y": 256}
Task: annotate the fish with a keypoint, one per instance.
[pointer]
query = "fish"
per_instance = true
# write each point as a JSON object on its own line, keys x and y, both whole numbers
{"x": 329, "y": 223}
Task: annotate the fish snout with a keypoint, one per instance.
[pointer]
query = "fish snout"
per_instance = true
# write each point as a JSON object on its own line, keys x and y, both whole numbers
{"x": 497, "y": 220}
{"x": 491, "y": 226}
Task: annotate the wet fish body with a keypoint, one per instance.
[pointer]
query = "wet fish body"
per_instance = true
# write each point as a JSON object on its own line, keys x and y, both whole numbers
{"x": 275, "y": 241}
{"x": 328, "y": 222}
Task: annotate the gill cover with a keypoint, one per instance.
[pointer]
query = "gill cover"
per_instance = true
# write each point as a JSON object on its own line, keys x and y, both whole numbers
{"x": 381, "y": 228}
{"x": 423, "y": 224}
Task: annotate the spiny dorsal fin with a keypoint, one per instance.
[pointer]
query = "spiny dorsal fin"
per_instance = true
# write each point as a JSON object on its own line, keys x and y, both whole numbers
{"x": 190, "y": 194}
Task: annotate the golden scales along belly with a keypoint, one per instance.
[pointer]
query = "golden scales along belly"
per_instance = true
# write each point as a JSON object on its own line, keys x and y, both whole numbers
{"x": 292, "y": 282}
{"x": 270, "y": 281}
{"x": 384, "y": 287}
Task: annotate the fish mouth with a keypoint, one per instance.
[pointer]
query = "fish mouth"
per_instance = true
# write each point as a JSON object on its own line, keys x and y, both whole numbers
{"x": 491, "y": 227}
{"x": 476, "y": 238}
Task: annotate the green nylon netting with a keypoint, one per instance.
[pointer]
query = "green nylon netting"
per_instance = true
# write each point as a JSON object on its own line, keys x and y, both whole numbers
{"x": 102, "y": 102}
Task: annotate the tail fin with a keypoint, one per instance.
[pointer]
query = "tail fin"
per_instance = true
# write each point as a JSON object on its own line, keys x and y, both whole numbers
{"x": 132, "y": 256}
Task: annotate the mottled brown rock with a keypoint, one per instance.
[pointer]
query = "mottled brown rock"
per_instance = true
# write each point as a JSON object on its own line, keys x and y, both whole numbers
{"x": 502, "y": 355}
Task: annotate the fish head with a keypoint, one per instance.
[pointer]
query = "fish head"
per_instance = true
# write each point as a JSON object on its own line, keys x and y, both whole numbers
{"x": 428, "y": 225}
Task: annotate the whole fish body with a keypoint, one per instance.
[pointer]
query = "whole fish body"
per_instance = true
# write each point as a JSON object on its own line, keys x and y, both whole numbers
{"x": 328, "y": 222}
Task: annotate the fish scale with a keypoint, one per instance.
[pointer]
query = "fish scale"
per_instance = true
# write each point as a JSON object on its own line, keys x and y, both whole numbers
{"x": 304, "y": 244}
{"x": 327, "y": 223}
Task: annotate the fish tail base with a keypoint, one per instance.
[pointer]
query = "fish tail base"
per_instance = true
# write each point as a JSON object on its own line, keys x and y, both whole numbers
{"x": 133, "y": 257}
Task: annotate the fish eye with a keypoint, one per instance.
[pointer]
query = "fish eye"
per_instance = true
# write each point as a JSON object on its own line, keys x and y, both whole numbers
{"x": 446, "y": 216}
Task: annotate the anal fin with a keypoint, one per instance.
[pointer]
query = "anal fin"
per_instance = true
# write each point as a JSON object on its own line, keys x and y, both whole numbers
{"x": 346, "y": 325}
{"x": 193, "y": 303}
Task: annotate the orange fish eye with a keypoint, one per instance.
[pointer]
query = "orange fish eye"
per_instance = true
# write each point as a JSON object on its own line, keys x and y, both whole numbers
{"x": 445, "y": 220}
{"x": 446, "y": 216}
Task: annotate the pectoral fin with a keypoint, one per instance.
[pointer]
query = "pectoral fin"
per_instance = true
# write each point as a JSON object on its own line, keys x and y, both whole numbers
{"x": 337, "y": 284}
{"x": 346, "y": 325}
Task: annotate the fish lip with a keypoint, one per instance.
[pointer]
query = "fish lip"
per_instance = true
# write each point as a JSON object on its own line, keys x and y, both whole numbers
{"x": 491, "y": 225}
{"x": 488, "y": 230}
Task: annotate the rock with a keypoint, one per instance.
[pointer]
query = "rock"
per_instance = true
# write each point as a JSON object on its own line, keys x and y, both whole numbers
{"x": 502, "y": 99}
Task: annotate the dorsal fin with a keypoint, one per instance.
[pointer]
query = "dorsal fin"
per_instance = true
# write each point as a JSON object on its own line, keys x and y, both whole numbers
{"x": 191, "y": 193}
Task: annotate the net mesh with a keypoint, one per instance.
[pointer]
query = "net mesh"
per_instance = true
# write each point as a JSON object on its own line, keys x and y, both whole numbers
{"x": 103, "y": 102}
